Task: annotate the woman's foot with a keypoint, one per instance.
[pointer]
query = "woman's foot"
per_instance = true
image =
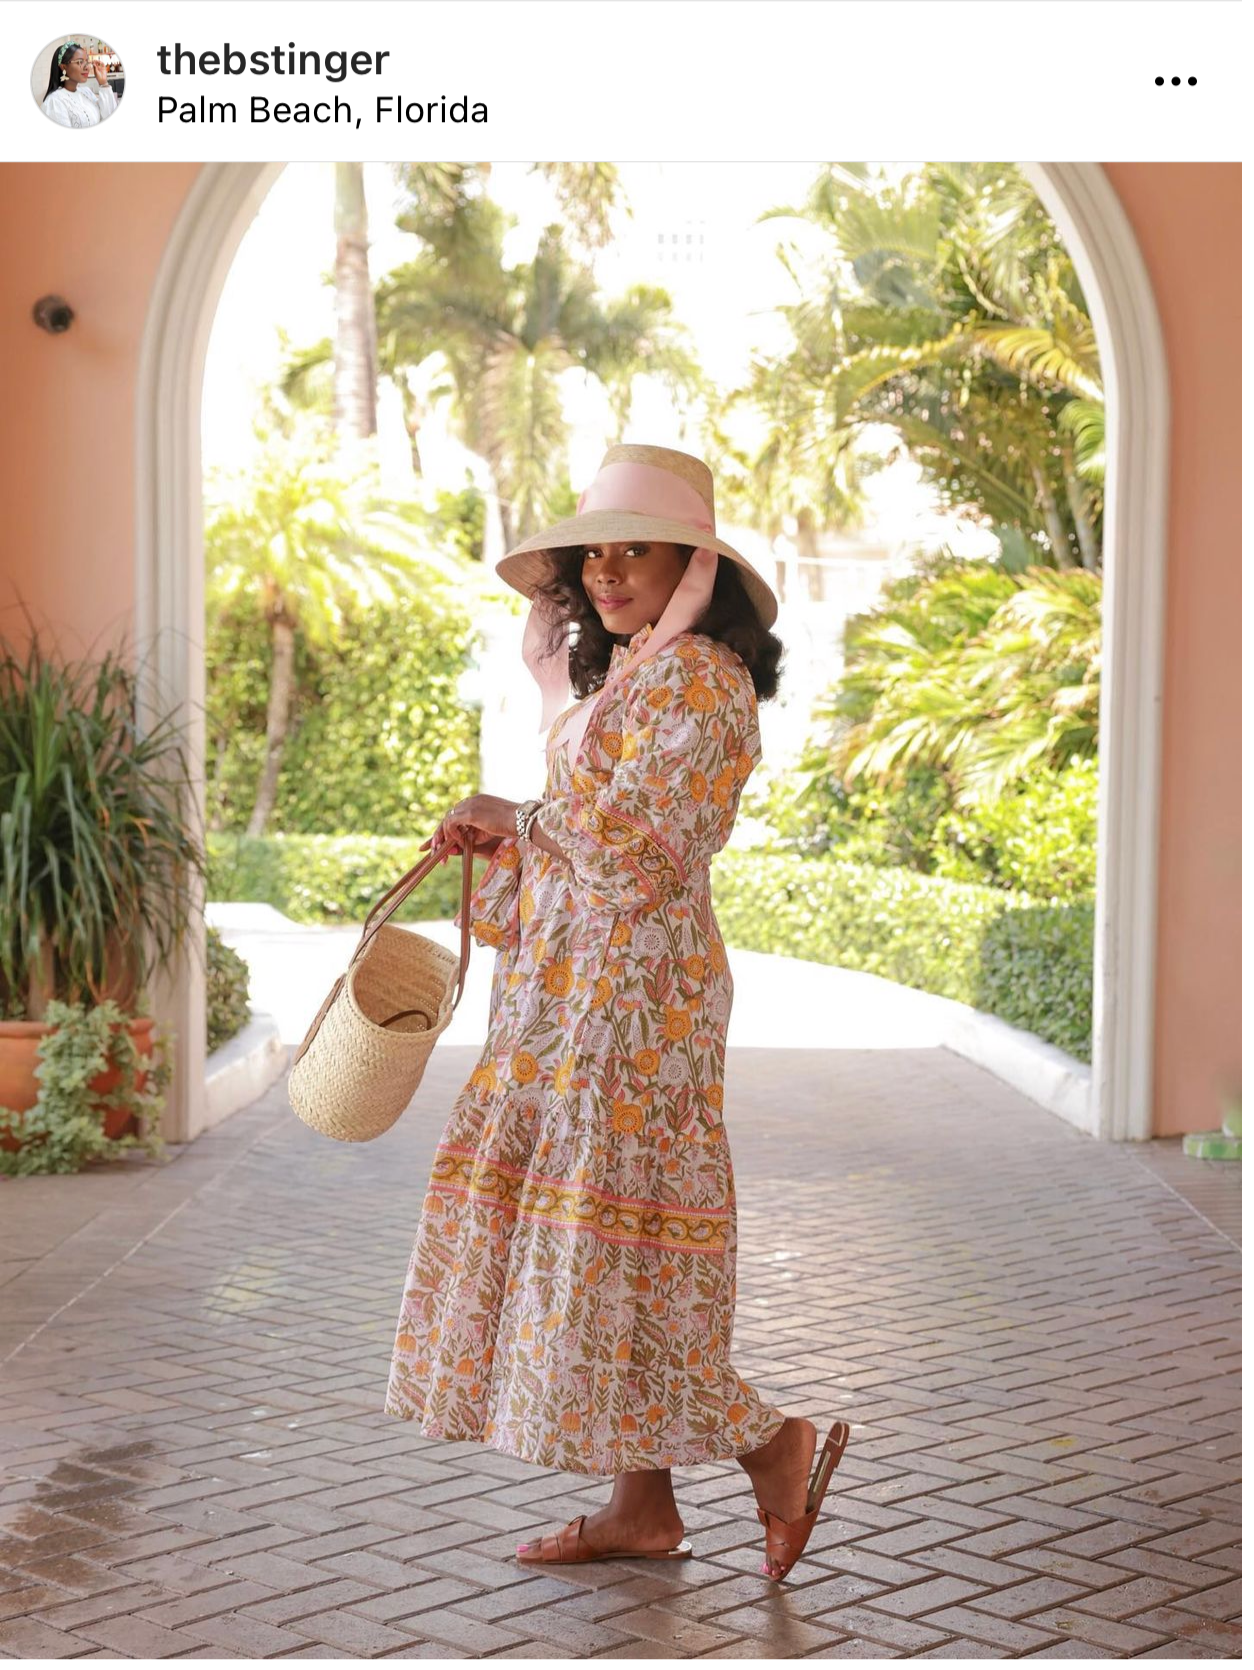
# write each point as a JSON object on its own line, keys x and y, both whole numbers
{"x": 780, "y": 1473}
{"x": 640, "y": 1518}
{"x": 610, "y": 1530}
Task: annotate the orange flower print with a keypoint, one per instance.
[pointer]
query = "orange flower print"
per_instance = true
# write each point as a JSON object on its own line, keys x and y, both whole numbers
{"x": 626, "y": 1118}
{"x": 678, "y": 1023}
{"x": 571, "y": 1291}
{"x": 559, "y": 978}
{"x": 524, "y": 1067}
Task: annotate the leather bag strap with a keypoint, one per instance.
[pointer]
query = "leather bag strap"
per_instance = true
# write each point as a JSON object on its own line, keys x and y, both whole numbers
{"x": 390, "y": 902}
{"x": 396, "y": 895}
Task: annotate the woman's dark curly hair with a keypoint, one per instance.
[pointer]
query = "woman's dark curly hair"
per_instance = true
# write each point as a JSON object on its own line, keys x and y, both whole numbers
{"x": 730, "y": 617}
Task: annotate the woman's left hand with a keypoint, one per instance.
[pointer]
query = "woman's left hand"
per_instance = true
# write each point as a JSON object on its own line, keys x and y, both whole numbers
{"x": 483, "y": 819}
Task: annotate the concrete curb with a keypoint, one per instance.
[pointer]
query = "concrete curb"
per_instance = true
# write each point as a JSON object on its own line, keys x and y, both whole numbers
{"x": 243, "y": 1068}
{"x": 1045, "y": 1074}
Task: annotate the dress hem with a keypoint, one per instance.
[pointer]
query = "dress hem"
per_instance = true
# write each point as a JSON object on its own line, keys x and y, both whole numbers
{"x": 683, "y": 1459}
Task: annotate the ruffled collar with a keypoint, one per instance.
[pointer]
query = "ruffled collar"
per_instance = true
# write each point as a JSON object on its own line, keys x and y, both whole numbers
{"x": 620, "y": 652}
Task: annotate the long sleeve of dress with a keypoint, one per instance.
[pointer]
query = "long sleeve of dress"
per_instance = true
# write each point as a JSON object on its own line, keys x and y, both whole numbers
{"x": 688, "y": 743}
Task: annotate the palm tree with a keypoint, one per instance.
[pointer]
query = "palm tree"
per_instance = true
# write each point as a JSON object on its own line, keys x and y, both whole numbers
{"x": 948, "y": 310}
{"x": 503, "y": 335}
{"x": 295, "y": 536}
{"x": 356, "y": 352}
{"x": 982, "y": 675}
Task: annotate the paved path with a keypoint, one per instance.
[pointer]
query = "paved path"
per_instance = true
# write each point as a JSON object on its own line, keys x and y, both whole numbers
{"x": 1034, "y": 1337}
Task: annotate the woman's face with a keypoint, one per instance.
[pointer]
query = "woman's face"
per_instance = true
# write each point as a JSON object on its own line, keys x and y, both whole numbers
{"x": 642, "y": 572}
{"x": 76, "y": 67}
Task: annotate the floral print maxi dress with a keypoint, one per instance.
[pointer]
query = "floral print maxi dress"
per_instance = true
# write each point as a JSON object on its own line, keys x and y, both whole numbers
{"x": 571, "y": 1292}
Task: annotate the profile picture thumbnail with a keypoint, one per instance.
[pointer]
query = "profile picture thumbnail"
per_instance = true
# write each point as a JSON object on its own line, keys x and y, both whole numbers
{"x": 78, "y": 81}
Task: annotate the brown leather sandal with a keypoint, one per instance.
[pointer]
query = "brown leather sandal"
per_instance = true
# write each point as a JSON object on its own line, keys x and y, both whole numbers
{"x": 786, "y": 1538}
{"x": 567, "y": 1548}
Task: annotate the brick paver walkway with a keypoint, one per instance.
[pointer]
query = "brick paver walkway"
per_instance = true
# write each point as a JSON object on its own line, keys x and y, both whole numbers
{"x": 1034, "y": 1337}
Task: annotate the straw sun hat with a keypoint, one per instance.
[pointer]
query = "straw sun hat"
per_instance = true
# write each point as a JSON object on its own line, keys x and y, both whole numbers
{"x": 639, "y": 492}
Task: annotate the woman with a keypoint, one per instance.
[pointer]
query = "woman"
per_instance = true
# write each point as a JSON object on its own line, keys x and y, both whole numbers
{"x": 572, "y": 1286}
{"x": 79, "y": 95}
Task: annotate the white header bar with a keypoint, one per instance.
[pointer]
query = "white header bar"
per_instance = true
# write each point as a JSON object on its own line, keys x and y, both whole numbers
{"x": 231, "y": 80}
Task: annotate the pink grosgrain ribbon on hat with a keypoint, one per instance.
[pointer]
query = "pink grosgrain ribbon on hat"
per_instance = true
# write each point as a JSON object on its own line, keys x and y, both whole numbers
{"x": 649, "y": 491}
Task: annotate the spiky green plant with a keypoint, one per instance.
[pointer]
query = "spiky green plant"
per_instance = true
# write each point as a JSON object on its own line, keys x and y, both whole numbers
{"x": 97, "y": 856}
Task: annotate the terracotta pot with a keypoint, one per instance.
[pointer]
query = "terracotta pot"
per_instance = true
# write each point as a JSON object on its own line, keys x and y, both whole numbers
{"x": 19, "y": 1088}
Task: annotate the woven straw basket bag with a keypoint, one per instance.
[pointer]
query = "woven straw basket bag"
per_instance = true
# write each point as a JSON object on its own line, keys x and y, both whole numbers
{"x": 365, "y": 1053}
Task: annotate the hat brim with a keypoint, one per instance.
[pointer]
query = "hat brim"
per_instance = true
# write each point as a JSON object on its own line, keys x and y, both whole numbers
{"x": 528, "y": 564}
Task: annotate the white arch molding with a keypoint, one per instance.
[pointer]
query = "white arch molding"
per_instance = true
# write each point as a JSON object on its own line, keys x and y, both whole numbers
{"x": 170, "y": 593}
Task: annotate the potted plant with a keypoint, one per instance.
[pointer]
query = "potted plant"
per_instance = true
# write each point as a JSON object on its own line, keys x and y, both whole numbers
{"x": 96, "y": 863}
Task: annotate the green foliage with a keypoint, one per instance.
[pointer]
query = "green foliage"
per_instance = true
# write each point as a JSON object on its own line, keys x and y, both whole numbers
{"x": 320, "y": 878}
{"x": 811, "y": 813}
{"x": 458, "y": 520}
{"x": 1036, "y": 972}
{"x": 65, "y": 1128}
{"x": 984, "y": 678}
{"x": 95, "y": 802}
{"x": 1041, "y": 840}
{"x": 945, "y": 307}
{"x": 226, "y": 991}
{"x": 379, "y": 739}
{"x": 306, "y": 530}
{"x": 1004, "y": 954}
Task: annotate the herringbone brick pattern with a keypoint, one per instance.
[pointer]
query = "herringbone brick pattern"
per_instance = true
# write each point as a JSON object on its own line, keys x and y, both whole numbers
{"x": 1034, "y": 1338}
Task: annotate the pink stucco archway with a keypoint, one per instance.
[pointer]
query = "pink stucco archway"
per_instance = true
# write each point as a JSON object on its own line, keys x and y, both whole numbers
{"x": 1117, "y": 1099}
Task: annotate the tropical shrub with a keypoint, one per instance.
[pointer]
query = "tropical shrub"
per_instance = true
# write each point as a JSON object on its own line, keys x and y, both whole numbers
{"x": 1041, "y": 839}
{"x": 226, "y": 991}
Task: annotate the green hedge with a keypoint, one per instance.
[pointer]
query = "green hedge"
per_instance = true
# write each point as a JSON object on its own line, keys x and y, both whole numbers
{"x": 1001, "y": 952}
{"x": 330, "y": 878}
{"x": 998, "y": 951}
{"x": 226, "y": 991}
{"x": 380, "y": 739}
